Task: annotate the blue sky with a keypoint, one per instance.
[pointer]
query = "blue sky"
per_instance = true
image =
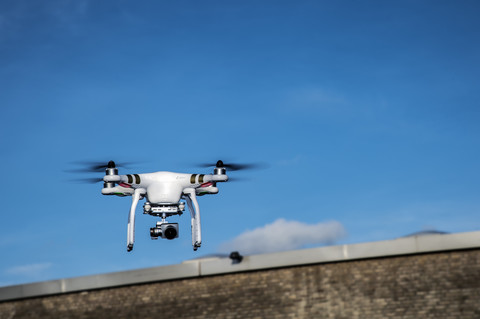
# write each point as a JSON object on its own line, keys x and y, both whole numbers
{"x": 366, "y": 111}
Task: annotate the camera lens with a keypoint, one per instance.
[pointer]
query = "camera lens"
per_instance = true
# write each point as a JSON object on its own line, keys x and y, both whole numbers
{"x": 155, "y": 232}
{"x": 170, "y": 232}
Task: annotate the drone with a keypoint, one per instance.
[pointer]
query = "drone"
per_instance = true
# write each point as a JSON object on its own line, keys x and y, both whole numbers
{"x": 165, "y": 194}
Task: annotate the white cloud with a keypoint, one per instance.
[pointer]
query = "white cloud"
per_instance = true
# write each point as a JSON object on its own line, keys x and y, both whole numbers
{"x": 284, "y": 235}
{"x": 32, "y": 270}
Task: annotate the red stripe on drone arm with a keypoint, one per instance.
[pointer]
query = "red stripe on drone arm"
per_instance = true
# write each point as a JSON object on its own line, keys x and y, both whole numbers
{"x": 206, "y": 184}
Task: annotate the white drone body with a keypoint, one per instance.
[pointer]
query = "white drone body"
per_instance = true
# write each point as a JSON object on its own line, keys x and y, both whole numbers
{"x": 164, "y": 192}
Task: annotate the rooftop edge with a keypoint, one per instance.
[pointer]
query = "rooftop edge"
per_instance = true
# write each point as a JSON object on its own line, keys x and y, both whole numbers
{"x": 216, "y": 266}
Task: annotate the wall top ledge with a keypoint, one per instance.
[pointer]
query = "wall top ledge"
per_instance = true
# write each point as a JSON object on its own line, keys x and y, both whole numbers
{"x": 417, "y": 244}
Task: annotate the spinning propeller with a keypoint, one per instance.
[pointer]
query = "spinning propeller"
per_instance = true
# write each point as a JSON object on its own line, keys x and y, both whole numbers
{"x": 94, "y": 167}
{"x": 234, "y": 166}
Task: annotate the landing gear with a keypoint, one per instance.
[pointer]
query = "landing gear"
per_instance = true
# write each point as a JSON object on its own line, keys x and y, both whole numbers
{"x": 196, "y": 245}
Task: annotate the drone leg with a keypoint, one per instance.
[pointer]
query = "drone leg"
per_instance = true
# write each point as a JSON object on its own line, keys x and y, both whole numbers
{"x": 192, "y": 214}
{"x": 131, "y": 218}
{"x": 195, "y": 214}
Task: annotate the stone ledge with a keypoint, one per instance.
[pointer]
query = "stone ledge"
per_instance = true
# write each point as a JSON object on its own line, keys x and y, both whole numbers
{"x": 218, "y": 265}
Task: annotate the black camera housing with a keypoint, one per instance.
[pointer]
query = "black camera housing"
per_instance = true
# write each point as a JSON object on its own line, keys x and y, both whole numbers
{"x": 166, "y": 230}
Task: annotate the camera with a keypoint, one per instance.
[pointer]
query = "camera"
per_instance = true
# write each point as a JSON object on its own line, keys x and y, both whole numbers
{"x": 164, "y": 230}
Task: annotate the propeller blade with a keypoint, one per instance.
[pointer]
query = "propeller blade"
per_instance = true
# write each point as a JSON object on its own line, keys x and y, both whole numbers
{"x": 96, "y": 166}
{"x": 239, "y": 167}
{"x": 238, "y": 179}
{"x": 92, "y": 180}
{"x": 235, "y": 166}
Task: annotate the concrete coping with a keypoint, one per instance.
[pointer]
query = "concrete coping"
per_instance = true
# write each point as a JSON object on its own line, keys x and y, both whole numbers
{"x": 222, "y": 265}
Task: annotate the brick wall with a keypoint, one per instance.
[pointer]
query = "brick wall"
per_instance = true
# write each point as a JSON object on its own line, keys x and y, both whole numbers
{"x": 435, "y": 285}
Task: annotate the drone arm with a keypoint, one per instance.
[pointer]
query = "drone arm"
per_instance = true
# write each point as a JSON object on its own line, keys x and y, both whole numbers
{"x": 194, "y": 209}
{"x": 139, "y": 192}
{"x": 216, "y": 178}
